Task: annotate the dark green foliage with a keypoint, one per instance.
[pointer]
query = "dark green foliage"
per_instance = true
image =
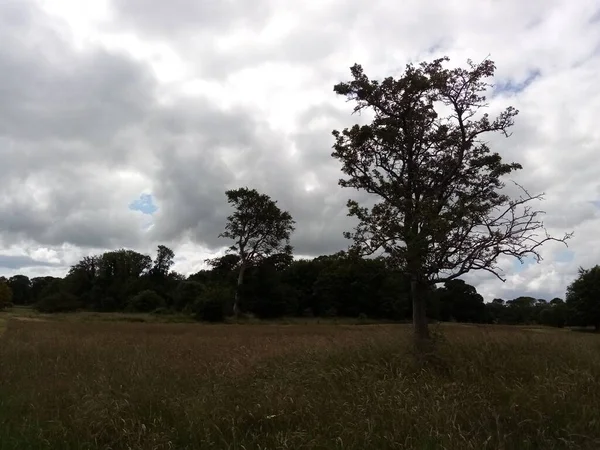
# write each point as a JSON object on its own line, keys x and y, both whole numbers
{"x": 520, "y": 310}
{"x": 265, "y": 295}
{"x": 494, "y": 311}
{"x": 163, "y": 262}
{"x": 39, "y": 287}
{"x": 338, "y": 285}
{"x": 555, "y": 314}
{"x": 301, "y": 276}
{"x": 460, "y": 302}
{"x": 583, "y": 298}
{"x": 527, "y": 311}
{"x": 350, "y": 286}
{"x": 58, "y": 302}
{"x": 186, "y": 293}
{"x": 21, "y": 289}
{"x": 82, "y": 276}
{"x": 6, "y": 295}
{"x": 146, "y": 301}
{"x": 222, "y": 267}
{"x": 213, "y": 304}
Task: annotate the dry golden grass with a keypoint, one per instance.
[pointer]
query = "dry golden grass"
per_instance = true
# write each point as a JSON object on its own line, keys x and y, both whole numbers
{"x": 102, "y": 385}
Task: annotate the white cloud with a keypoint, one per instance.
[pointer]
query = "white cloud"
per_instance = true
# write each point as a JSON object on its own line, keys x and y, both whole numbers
{"x": 108, "y": 100}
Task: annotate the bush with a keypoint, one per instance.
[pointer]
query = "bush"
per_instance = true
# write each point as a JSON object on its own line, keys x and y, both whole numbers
{"x": 57, "y": 303}
{"x": 146, "y": 301}
{"x": 5, "y": 295}
{"x": 162, "y": 311}
{"x": 211, "y": 306}
{"x": 186, "y": 294}
{"x": 106, "y": 304}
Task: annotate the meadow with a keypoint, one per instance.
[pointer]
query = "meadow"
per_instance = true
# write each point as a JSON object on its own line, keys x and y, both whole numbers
{"x": 88, "y": 383}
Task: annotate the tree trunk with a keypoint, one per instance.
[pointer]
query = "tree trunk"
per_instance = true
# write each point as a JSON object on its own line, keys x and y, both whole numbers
{"x": 420, "y": 326}
{"x": 240, "y": 281}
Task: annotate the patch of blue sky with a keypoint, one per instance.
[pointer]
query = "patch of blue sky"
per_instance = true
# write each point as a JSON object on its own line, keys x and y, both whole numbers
{"x": 144, "y": 204}
{"x": 514, "y": 86}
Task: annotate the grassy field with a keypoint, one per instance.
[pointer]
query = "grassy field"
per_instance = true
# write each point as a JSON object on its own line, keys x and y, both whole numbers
{"x": 97, "y": 384}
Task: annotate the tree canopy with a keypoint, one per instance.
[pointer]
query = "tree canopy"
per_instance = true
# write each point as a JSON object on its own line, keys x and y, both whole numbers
{"x": 257, "y": 226}
{"x": 583, "y": 297}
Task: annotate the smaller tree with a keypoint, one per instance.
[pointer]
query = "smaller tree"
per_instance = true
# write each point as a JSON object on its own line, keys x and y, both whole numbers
{"x": 583, "y": 298}
{"x": 163, "y": 262}
{"x": 5, "y": 295}
{"x": 258, "y": 228}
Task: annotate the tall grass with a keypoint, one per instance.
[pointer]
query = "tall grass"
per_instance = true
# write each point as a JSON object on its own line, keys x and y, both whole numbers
{"x": 102, "y": 385}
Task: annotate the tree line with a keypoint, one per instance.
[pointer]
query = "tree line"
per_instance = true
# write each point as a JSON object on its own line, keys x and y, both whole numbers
{"x": 338, "y": 285}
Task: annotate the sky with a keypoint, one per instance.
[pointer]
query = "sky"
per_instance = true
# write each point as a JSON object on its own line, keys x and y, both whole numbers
{"x": 123, "y": 122}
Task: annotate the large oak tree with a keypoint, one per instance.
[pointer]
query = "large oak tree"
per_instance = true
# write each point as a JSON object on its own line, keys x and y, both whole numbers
{"x": 441, "y": 210}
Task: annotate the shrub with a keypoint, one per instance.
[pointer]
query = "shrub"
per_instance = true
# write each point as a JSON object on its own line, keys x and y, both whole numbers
{"x": 57, "y": 303}
{"x": 211, "y": 306}
{"x": 186, "y": 294}
{"x": 5, "y": 295}
{"x": 107, "y": 303}
{"x": 146, "y": 301}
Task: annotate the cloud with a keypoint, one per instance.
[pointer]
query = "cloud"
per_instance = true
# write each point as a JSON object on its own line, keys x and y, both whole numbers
{"x": 188, "y": 17}
{"x": 122, "y": 124}
{"x": 20, "y": 262}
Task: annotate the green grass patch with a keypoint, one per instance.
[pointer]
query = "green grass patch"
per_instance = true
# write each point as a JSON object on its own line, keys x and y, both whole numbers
{"x": 99, "y": 385}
